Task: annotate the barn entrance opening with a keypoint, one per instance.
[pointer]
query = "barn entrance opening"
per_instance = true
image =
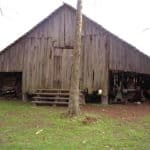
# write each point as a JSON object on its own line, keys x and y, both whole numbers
{"x": 11, "y": 84}
{"x": 128, "y": 87}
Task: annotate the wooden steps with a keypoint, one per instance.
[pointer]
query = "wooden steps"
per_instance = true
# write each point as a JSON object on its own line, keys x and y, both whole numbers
{"x": 52, "y": 94}
{"x": 53, "y": 97}
{"x": 53, "y": 90}
{"x": 50, "y": 102}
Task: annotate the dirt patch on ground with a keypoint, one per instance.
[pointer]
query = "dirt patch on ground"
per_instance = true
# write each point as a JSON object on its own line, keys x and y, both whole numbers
{"x": 0, "y": 124}
{"x": 128, "y": 112}
{"x": 89, "y": 120}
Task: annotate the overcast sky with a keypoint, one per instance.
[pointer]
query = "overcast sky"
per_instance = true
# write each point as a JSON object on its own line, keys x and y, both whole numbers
{"x": 128, "y": 19}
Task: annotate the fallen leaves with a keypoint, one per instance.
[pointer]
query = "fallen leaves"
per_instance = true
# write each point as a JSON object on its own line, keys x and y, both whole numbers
{"x": 89, "y": 120}
{"x": 39, "y": 131}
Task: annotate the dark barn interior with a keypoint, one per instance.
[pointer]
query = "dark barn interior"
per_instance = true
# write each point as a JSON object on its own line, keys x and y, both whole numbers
{"x": 11, "y": 84}
{"x": 128, "y": 87}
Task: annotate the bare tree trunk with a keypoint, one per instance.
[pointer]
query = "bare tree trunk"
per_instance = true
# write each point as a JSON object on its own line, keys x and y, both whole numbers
{"x": 74, "y": 109}
{"x": 1, "y": 11}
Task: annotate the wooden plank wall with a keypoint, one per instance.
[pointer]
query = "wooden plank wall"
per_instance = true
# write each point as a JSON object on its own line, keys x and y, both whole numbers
{"x": 34, "y": 54}
{"x": 94, "y": 71}
{"x": 124, "y": 57}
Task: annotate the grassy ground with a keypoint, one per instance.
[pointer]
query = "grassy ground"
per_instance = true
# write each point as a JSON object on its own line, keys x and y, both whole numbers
{"x": 25, "y": 127}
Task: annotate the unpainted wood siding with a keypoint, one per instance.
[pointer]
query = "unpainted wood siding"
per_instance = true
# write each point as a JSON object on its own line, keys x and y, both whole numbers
{"x": 37, "y": 53}
{"x": 33, "y": 54}
{"x": 125, "y": 57}
{"x": 94, "y": 68}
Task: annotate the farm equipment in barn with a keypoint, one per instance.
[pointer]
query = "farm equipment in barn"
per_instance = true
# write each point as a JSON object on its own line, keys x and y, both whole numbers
{"x": 126, "y": 87}
{"x": 8, "y": 91}
{"x": 11, "y": 84}
{"x": 93, "y": 97}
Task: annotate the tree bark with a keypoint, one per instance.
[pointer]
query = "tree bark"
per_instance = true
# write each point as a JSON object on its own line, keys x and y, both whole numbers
{"x": 74, "y": 108}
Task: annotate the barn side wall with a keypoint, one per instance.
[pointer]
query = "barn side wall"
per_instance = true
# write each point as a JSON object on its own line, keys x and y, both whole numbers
{"x": 124, "y": 57}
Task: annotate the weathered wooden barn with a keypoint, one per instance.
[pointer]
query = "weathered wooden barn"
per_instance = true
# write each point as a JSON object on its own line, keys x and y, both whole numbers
{"x": 42, "y": 58}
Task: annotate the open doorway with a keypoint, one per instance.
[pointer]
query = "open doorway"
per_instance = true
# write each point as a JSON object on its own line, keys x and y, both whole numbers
{"x": 11, "y": 84}
{"x": 128, "y": 87}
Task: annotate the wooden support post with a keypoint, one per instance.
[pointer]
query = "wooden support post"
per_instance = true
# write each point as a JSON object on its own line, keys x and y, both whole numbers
{"x": 104, "y": 100}
{"x": 24, "y": 97}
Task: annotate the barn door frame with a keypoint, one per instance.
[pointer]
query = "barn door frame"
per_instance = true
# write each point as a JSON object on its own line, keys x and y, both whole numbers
{"x": 62, "y": 62}
{"x": 57, "y": 68}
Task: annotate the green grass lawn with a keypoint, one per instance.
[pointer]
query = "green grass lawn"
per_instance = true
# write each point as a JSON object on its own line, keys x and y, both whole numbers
{"x": 26, "y": 127}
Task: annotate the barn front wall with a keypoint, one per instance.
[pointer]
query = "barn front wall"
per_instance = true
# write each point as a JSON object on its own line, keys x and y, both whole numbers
{"x": 44, "y": 55}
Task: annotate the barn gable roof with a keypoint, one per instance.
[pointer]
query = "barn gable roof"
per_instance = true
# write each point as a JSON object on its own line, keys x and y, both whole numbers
{"x": 72, "y": 9}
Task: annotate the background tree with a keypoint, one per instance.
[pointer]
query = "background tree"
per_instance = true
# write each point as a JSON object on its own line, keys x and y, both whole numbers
{"x": 1, "y": 12}
{"x": 74, "y": 109}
